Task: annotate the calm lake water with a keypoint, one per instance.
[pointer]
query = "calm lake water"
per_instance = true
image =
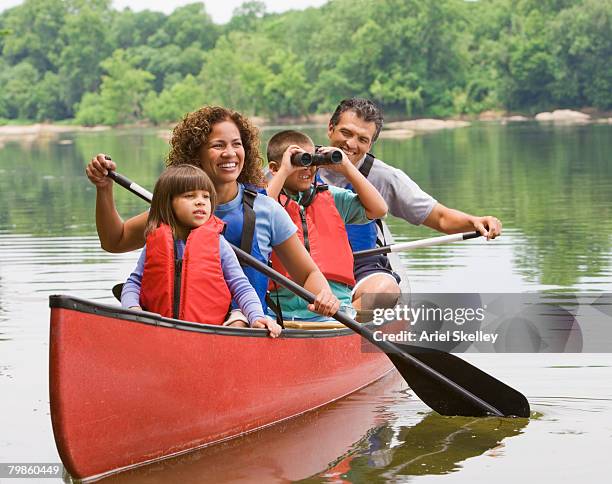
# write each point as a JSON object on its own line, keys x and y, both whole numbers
{"x": 550, "y": 185}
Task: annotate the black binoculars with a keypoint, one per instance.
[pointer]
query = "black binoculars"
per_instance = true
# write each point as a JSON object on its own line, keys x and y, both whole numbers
{"x": 332, "y": 157}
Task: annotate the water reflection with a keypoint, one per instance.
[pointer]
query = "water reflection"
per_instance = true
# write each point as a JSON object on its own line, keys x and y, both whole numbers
{"x": 362, "y": 438}
{"x": 436, "y": 445}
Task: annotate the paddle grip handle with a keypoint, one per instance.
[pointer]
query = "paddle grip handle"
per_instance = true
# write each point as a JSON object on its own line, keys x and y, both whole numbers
{"x": 136, "y": 189}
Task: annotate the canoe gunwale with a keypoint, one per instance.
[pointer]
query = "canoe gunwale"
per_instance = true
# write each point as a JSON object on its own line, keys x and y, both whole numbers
{"x": 153, "y": 319}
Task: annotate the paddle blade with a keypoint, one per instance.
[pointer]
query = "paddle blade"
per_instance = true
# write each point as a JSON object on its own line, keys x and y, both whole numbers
{"x": 117, "y": 288}
{"x": 443, "y": 400}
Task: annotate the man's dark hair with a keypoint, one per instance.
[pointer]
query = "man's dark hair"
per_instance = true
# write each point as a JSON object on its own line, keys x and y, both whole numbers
{"x": 279, "y": 143}
{"x": 364, "y": 109}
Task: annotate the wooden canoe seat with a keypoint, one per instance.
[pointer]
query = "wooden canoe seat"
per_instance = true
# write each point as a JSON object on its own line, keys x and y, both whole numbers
{"x": 361, "y": 317}
{"x": 313, "y": 325}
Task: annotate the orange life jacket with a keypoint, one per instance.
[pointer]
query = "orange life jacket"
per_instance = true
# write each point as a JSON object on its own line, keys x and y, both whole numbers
{"x": 322, "y": 231}
{"x": 191, "y": 289}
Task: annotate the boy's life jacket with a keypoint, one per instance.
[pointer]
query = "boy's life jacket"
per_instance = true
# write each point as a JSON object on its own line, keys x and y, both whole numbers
{"x": 192, "y": 288}
{"x": 322, "y": 231}
{"x": 240, "y": 231}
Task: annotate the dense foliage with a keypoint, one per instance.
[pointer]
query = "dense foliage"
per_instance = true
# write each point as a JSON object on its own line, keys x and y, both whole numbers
{"x": 81, "y": 59}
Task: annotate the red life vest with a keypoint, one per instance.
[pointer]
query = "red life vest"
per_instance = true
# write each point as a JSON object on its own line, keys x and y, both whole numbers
{"x": 197, "y": 281}
{"x": 321, "y": 229}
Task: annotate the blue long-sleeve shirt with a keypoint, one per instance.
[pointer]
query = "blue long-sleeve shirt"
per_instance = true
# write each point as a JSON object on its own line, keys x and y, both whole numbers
{"x": 238, "y": 284}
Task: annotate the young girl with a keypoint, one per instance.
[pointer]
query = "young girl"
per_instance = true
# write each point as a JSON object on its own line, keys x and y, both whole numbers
{"x": 187, "y": 269}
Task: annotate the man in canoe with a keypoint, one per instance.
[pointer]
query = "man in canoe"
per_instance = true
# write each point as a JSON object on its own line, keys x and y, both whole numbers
{"x": 354, "y": 128}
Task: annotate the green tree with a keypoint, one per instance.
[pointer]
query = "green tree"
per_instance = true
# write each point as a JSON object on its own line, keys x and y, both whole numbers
{"x": 122, "y": 93}
{"x": 285, "y": 92}
{"x": 36, "y": 25}
{"x": 86, "y": 43}
{"x": 174, "y": 102}
{"x": 17, "y": 85}
{"x": 169, "y": 60}
{"x": 245, "y": 18}
{"x": 131, "y": 29}
{"x": 191, "y": 24}
{"x": 46, "y": 97}
{"x": 582, "y": 44}
{"x": 235, "y": 73}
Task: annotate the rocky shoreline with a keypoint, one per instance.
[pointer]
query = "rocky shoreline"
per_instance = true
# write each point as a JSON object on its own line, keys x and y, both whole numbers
{"x": 395, "y": 129}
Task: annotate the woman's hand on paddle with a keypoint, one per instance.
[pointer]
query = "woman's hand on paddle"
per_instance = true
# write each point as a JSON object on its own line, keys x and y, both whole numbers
{"x": 97, "y": 169}
{"x": 325, "y": 303}
{"x": 272, "y": 326}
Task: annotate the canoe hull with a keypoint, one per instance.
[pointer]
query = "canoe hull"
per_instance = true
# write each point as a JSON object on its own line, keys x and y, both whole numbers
{"x": 127, "y": 389}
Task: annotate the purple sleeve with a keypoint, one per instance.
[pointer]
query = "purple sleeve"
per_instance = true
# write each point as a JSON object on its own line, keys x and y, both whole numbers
{"x": 242, "y": 292}
{"x": 130, "y": 295}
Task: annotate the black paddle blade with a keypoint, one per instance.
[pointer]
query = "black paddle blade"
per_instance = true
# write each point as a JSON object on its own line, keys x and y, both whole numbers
{"x": 444, "y": 400}
{"x": 117, "y": 288}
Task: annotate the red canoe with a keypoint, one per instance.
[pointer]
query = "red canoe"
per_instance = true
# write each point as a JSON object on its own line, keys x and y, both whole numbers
{"x": 128, "y": 388}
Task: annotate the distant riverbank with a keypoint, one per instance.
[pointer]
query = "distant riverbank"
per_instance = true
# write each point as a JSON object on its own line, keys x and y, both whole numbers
{"x": 395, "y": 129}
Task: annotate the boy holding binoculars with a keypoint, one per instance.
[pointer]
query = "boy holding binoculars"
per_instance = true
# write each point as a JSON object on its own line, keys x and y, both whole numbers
{"x": 319, "y": 212}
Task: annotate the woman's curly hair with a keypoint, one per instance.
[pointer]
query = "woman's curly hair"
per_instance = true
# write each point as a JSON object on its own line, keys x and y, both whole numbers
{"x": 193, "y": 131}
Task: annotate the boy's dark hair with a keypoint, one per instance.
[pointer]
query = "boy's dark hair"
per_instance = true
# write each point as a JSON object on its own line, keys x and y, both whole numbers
{"x": 279, "y": 143}
{"x": 173, "y": 181}
{"x": 364, "y": 109}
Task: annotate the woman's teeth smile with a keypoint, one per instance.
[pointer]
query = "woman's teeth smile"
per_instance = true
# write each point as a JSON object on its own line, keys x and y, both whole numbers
{"x": 230, "y": 165}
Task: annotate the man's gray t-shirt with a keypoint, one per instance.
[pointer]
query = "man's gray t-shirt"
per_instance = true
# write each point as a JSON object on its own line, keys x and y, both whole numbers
{"x": 404, "y": 197}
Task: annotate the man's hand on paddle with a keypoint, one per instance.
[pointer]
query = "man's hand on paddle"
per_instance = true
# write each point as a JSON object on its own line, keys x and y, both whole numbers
{"x": 97, "y": 169}
{"x": 489, "y": 226}
{"x": 451, "y": 221}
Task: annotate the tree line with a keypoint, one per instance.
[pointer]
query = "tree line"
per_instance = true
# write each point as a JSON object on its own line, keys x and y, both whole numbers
{"x": 83, "y": 60}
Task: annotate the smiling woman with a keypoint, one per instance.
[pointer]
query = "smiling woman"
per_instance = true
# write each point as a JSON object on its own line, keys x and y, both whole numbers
{"x": 226, "y": 146}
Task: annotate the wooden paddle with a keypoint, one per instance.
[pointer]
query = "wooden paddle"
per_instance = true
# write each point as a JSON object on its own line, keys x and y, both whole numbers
{"x": 446, "y": 383}
{"x": 416, "y": 244}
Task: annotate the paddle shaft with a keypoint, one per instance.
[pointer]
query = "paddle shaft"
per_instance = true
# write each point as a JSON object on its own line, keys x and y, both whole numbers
{"x": 385, "y": 346}
{"x": 416, "y": 244}
{"x": 147, "y": 197}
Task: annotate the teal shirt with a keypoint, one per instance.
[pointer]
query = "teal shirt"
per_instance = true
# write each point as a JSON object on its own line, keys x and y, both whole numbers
{"x": 294, "y": 308}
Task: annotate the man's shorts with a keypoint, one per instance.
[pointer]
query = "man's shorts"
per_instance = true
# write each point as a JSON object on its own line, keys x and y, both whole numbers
{"x": 364, "y": 267}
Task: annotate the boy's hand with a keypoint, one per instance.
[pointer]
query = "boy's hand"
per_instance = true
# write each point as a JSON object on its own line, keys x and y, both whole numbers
{"x": 343, "y": 167}
{"x": 135, "y": 308}
{"x": 272, "y": 326}
{"x": 326, "y": 303}
{"x": 286, "y": 165}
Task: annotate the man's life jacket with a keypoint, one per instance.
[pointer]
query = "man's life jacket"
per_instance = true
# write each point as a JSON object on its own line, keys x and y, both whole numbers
{"x": 322, "y": 231}
{"x": 365, "y": 236}
{"x": 192, "y": 289}
{"x": 240, "y": 231}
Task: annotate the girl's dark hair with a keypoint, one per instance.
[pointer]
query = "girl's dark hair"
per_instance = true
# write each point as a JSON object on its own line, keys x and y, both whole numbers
{"x": 193, "y": 131}
{"x": 174, "y": 181}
